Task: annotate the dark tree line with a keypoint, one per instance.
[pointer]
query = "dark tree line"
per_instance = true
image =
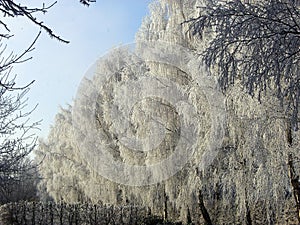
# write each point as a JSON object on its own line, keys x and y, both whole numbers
{"x": 257, "y": 43}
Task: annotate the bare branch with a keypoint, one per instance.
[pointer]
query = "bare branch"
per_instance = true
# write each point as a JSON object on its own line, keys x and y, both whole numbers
{"x": 12, "y": 9}
{"x": 87, "y": 2}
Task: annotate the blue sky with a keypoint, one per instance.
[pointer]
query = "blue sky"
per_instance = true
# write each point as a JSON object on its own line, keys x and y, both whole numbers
{"x": 57, "y": 67}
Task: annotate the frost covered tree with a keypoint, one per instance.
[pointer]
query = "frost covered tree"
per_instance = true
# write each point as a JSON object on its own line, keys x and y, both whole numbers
{"x": 16, "y": 131}
{"x": 65, "y": 175}
{"x": 257, "y": 43}
{"x": 245, "y": 182}
{"x": 57, "y": 157}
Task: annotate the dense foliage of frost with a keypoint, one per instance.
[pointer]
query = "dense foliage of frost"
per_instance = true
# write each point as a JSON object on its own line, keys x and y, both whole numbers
{"x": 238, "y": 159}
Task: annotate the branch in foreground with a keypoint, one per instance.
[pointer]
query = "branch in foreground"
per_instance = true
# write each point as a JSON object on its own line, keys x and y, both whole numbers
{"x": 256, "y": 43}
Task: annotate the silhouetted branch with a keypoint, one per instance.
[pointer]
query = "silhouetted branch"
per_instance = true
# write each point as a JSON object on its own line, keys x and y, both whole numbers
{"x": 87, "y": 2}
{"x": 11, "y": 9}
{"x": 203, "y": 209}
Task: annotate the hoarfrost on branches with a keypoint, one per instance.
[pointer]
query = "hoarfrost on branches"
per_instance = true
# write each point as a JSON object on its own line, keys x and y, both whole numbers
{"x": 239, "y": 158}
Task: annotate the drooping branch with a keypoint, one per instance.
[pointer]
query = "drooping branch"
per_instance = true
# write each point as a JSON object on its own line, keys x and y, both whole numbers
{"x": 257, "y": 43}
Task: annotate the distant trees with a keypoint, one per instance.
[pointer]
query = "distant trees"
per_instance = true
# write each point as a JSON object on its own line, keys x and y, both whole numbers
{"x": 257, "y": 43}
{"x": 17, "y": 137}
{"x": 23, "y": 186}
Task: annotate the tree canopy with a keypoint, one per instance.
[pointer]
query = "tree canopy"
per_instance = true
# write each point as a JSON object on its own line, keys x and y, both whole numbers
{"x": 257, "y": 43}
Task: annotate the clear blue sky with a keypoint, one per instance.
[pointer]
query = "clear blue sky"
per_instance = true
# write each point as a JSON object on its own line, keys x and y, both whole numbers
{"x": 57, "y": 67}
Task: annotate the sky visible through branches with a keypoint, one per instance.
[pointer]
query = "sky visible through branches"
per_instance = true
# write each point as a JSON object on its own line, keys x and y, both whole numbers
{"x": 58, "y": 68}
